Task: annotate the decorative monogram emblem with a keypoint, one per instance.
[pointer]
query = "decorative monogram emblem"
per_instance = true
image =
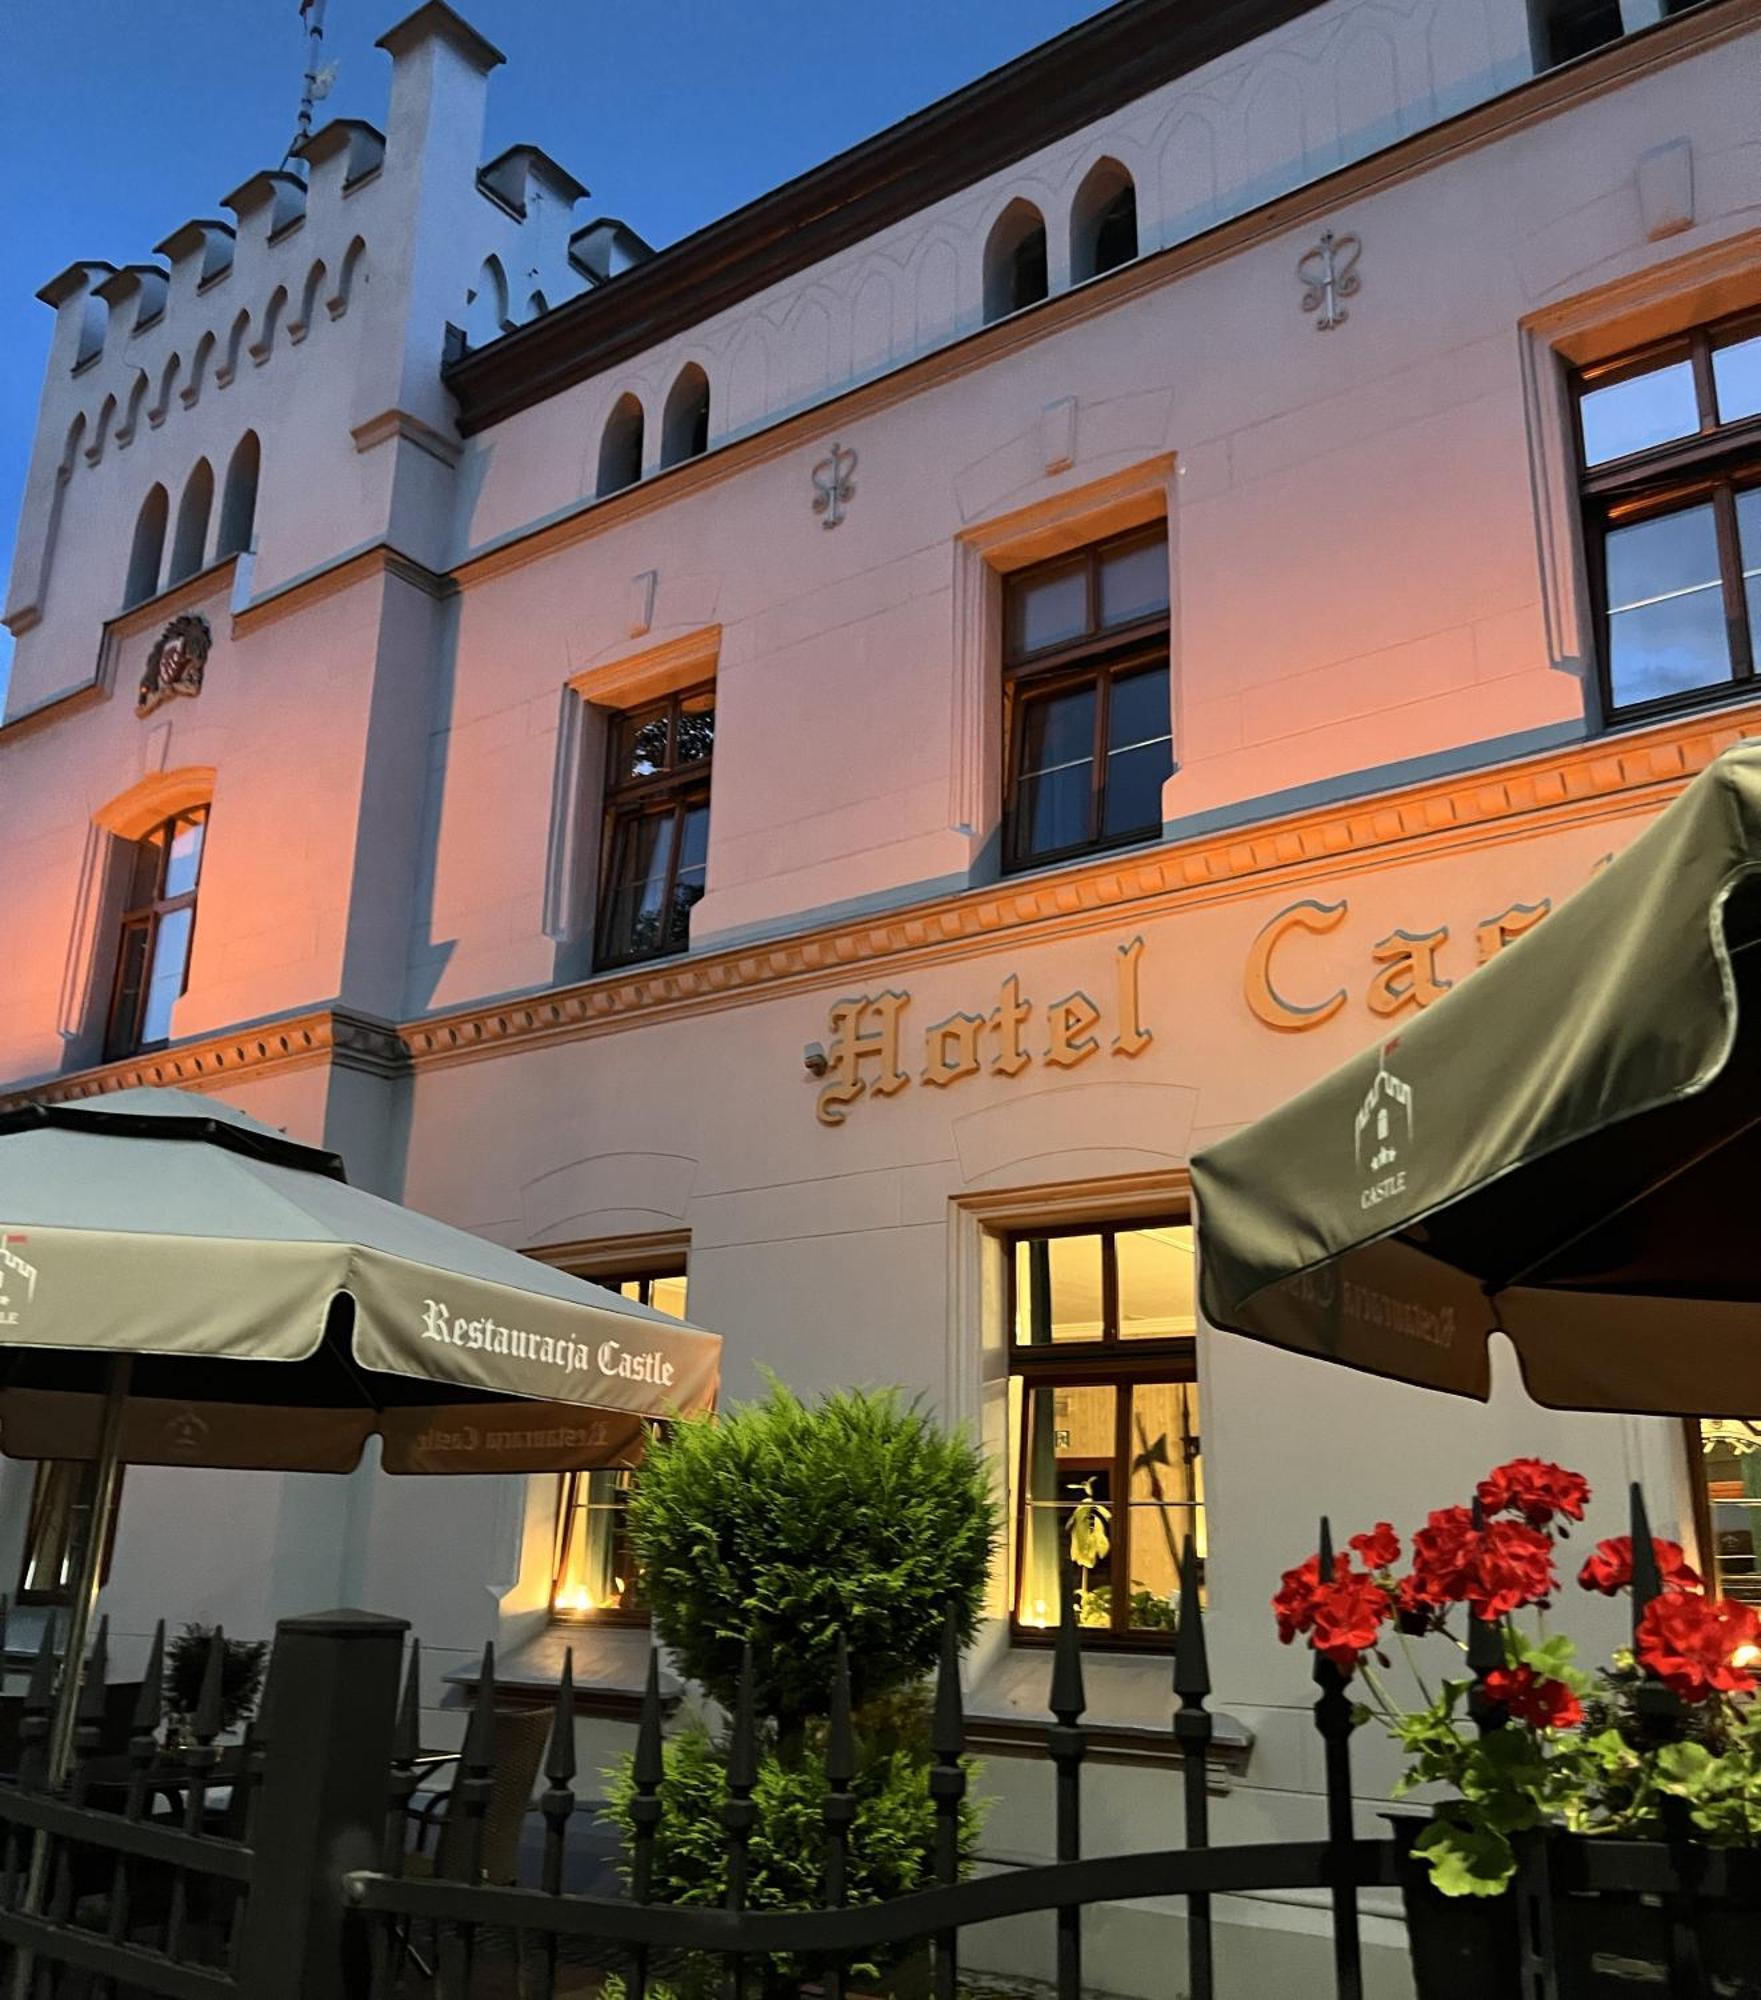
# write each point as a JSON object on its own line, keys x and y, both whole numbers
{"x": 1329, "y": 274}
{"x": 176, "y": 663}
{"x": 18, "y": 1278}
{"x": 1383, "y": 1132}
{"x": 833, "y": 485}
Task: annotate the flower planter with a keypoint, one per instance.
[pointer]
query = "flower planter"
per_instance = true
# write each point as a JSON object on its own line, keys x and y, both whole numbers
{"x": 1598, "y": 1942}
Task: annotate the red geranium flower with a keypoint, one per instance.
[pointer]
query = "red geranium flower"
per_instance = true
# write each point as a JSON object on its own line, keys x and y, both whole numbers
{"x": 1493, "y": 1570}
{"x": 1348, "y": 1617}
{"x": 1294, "y": 1604}
{"x": 1609, "y": 1566}
{"x": 1535, "y": 1490}
{"x": 1530, "y": 1697}
{"x": 1690, "y": 1643}
{"x": 1380, "y": 1548}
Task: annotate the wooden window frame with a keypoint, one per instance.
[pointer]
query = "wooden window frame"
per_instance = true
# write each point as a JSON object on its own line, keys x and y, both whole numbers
{"x": 1097, "y": 657}
{"x": 124, "y": 1039}
{"x": 60, "y": 1597}
{"x": 672, "y": 792}
{"x": 1705, "y": 1532}
{"x": 1109, "y": 1362}
{"x": 1715, "y": 464}
{"x": 641, "y": 1273}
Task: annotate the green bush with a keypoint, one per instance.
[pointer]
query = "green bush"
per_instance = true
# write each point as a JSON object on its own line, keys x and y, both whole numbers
{"x": 786, "y": 1525}
{"x": 891, "y": 1846}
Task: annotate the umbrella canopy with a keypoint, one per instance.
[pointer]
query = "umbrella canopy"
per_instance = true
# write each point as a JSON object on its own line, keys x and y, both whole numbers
{"x": 176, "y": 1230}
{"x": 1567, "y": 1147}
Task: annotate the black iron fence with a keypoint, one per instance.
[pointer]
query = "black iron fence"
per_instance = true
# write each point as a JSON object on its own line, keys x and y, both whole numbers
{"x": 449, "y": 1932}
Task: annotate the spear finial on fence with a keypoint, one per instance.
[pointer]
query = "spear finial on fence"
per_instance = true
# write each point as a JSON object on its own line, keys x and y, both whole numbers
{"x": 151, "y": 1707}
{"x": 1193, "y": 1730}
{"x": 1647, "y": 1579}
{"x": 558, "y": 1802}
{"x": 1192, "y": 1663}
{"x": 1068, "y": 1698}
{"x": 947, "y": 1788}
{"x": 839, "y": 1810}
{"x": 97, "y": 1683}
{"x": 840, "y": 1743}
{"x": 647, "y": 1772}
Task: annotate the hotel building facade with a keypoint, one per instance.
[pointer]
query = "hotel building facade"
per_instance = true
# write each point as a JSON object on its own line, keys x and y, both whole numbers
{"x": 805, "y": 773}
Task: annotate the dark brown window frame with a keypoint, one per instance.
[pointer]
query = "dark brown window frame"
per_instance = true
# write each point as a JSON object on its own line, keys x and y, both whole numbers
{"x": 1111, "y": 1361}
{"x": 641, "y": 1273}
{"x": 1716, "y": 463}
{"x": 673, "y": 792}
{"x": 59, "y": 1597}
{"x": 1099, "y": 657}
{"x": 123, "y": 1039}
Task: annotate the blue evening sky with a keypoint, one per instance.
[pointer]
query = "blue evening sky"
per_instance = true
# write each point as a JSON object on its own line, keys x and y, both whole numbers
{"x": 135, "y": 115}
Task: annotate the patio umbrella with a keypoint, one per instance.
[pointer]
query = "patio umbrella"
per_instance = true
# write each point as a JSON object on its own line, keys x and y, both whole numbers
{"x": 182, "y": 1285}
{"x": 1567, "y": 1147}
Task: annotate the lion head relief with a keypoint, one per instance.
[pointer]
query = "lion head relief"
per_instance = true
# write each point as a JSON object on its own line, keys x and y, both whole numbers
{"x": 176, "y": 663}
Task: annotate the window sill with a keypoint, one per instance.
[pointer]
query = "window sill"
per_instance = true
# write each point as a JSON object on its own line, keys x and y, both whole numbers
{"x": 1129, "y": 1718}
{"x": 610, "y": 1671}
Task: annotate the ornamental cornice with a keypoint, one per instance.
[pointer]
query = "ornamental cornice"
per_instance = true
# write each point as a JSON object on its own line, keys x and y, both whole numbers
{"x": 300, "y": 1041}
{"x": 1603, "y": 777}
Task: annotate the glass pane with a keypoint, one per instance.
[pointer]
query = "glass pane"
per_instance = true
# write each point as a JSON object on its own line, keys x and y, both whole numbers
{"x": 1666, "y": 629}
{"x": 1069, "y": 1476}
{"x": 183, "y": 865}
{"x": 1058, "y": 1289}
{"x": 169, "y": 973}
{"x": 143, "y": 882}
{"x": 131, "y": 976}
{"x": 634, "y": 926}
{"x": 1166, "y": 1501}
{"x": 1642, "y": 411}
{"x": 696, "y": 728}
{"x": 1054, "y": 799}
{"x": 1140, "y": 754}
{"x": 594, "y": 1569}
{"x": 1731, "y": 1463}
{"x": 1047, "y": 607}
{"x": 1156, "y": 1291}
{"x": 1736, "y": 375}
{"x": 642, "y": 739}
{"x": 1134, "y": 580}
{"x": 1749, "y": 544}
{"x": 667, "y": 1295}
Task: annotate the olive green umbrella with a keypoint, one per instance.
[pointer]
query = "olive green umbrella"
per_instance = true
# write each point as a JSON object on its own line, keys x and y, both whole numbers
{"x": 1566, "y": 1147}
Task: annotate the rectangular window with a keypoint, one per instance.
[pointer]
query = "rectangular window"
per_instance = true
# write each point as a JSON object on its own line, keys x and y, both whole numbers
{"x": 593, "y": 1575}
{"x": 158, "y": 928}
{"x": 62, "y": 1502}
{"x": 1104, "y": 1427}
{"x": 1728, "y": 1479}
{"x": 1566, "y": 29}
{"x": 1669, "y": 443}
{"x": 655, "y": 844}
{"x": 1086, "y": 700}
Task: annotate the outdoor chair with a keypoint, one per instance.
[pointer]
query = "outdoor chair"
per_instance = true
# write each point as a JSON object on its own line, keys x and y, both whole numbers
{"x": 516, "y": 1751}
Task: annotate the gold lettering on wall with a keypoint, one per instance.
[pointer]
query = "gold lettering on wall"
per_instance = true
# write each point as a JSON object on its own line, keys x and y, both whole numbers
{"x": 1409, "y": 975}
{"x": 861, "y": 1054}
{"x": 1496, "y": 932}
{"x": 1262, "y": 996}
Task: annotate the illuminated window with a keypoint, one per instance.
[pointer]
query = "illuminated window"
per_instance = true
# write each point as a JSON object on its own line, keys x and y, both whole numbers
{"x": 62, "y": 1501}
{"x": 1086, "y": 702}
{"x": 593, "y": 1576}
{"x": 1728, "y": 1475}
{"x": 158, "y": 926}
{"x": 1104, "y": 1427}
{"x": 1669, "y": 441}
{"x": 656, "y": 841}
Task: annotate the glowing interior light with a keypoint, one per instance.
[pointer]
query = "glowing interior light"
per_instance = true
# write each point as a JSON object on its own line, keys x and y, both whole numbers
{"x": 1746, "y": 1656}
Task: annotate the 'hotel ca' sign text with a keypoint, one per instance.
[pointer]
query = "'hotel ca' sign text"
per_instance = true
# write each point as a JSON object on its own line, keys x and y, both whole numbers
{"x": 864, "y": 1050}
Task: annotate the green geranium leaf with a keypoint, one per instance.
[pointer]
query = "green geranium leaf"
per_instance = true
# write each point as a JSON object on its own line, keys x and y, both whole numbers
{"x": 1466, "y": 1860}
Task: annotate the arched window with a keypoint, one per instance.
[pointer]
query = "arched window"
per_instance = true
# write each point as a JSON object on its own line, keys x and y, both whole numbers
{"x": 684, "y": 426}
{"x": 238, "y": 501}
{"x": 620, "y": 447}
{"x": 349, "y": 276}
{"x": 1014, "y": 261}
{"x": 93, "y": 325}
{"x": 1103, "y": 221}
{"x": 189, "y": 544}
{"x": 537, "y": 305}
{"x": 486, "y": 305}
{"x": 131, "y": 416}
{"x": 264, "y": 345}
{"x": 309, "y": 297}
{"x": 156, "y": 415}
{"x": 235, "y": 349}
{"x": 101, "y": 430}
{"x": 148, "y": 549}
{"x": 164, "y": 869}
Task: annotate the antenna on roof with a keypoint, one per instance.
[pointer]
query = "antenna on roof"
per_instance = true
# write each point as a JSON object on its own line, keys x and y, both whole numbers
{"x": 318, "y": 78}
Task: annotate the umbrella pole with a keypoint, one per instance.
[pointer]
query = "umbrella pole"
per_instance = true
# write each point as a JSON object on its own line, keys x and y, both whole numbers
{"x": 73, "y": 1653}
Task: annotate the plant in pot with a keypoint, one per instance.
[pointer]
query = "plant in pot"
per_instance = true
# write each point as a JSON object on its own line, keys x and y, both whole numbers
{"x": 1547, "y": 1765}
{"x": 790, "y": 1528}
{"x": 242, "y": 1665}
